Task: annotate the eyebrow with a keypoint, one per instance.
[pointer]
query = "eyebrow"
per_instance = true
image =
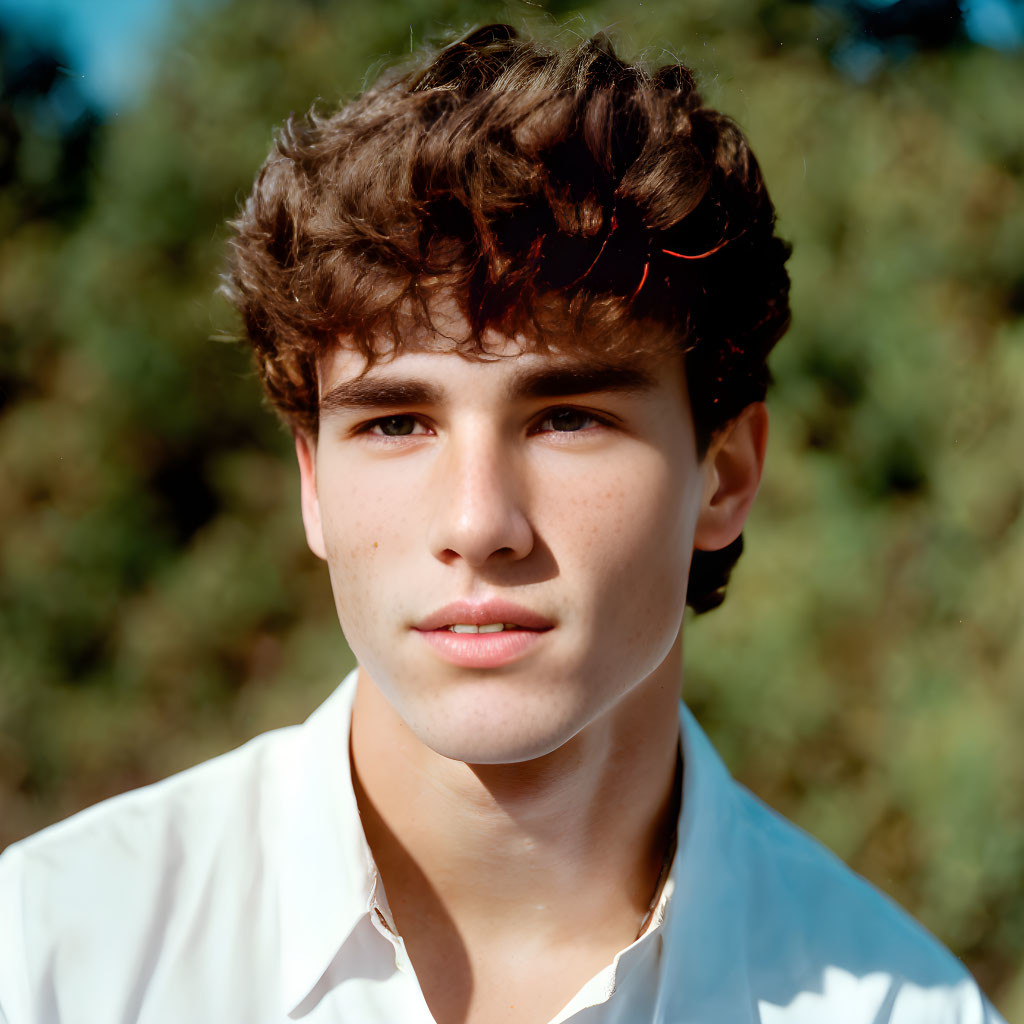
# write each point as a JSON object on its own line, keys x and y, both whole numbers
{"x": 562, "y": 381}
{"x": 368, "y": 392}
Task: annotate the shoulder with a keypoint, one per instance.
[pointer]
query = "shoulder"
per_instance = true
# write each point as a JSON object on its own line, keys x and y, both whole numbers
{"x": 87, "y": 897}
{"x": 769, "y": 926}
{"x": 824, "y": 943}
{"x": 147, "y": 830}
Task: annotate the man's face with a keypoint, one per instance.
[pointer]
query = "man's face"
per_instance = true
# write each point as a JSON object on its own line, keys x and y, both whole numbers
{"x": 534, "y": 491}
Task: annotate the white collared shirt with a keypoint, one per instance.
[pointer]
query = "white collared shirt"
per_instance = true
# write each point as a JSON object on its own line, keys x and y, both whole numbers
{"x": 242, "y": 891}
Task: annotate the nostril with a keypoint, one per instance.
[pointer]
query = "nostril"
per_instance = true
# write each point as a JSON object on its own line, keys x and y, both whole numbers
{"x": 482, "y": 525}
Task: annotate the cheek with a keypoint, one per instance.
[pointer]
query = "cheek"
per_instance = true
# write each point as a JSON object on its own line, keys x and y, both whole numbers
{"x": 361, "y": 509}
{"x": 631, "y": 511}
{"x": 630, "y": 534}
{"x": 364, "y": 529}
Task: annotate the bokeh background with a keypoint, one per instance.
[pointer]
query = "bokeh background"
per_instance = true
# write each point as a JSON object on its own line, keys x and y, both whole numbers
{"x": 157, "y": 602}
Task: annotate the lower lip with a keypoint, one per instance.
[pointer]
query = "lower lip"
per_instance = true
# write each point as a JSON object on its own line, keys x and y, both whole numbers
{"x": 482, "y": 650}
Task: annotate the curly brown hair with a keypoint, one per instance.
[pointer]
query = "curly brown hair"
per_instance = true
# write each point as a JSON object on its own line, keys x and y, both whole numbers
{"x": 558, "y": 194}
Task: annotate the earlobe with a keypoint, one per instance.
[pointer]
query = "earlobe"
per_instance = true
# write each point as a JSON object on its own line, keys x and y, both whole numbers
{"x": 305, "y": 451}
{"x": 732, "y": 468}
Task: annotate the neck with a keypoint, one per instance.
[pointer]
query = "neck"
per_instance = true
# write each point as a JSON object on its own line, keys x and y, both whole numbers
{"x": 566, "y": 844}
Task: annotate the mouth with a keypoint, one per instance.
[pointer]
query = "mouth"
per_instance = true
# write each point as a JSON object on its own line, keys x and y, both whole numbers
{"x": 491, "y": 627}
{"x": 492, "y": 616}
{"x": 483, "y": 635}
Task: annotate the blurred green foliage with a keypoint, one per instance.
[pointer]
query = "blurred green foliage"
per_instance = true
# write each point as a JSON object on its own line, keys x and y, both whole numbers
{"x": 157, "y": 602}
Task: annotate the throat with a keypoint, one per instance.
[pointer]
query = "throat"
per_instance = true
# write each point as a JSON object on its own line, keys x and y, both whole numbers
{"x": 566, "y": 848}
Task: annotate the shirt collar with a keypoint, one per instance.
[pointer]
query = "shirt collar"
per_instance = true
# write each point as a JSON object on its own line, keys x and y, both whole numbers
{"x": 704, "y": 925}
{"x": 328, "y": 877}
{"x": 326, "y": 871}
{"x": 697, "y": 918}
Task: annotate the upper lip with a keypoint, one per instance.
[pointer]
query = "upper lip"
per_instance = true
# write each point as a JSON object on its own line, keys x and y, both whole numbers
{"x": 483, "y": 613}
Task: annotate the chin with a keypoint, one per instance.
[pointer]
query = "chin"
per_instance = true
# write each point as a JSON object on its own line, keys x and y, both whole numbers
{"x": 494, "y": 727}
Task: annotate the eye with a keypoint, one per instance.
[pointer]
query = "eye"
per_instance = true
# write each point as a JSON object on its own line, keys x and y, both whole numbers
{"x": 401, "y": 425}
{"x": 568, "y": 420}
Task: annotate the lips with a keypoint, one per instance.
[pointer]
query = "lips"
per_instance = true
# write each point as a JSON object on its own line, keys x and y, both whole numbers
{"x": 484, "y": 613}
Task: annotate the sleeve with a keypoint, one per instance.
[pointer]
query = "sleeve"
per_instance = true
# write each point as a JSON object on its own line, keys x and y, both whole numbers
{"x": 964, "y": 1003}
{"x": 14, "y": 989}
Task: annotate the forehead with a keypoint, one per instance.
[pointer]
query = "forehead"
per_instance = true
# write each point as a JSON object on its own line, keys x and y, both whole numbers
{"x": 443, "y": 346}
{"x": 554, "y": 336}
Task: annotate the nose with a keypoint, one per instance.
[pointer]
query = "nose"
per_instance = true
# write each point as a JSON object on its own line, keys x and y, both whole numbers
{"x": 478, "y": 509}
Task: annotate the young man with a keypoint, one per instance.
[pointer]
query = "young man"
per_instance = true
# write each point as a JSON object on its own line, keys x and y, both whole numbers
{"x": 516, "y": 306}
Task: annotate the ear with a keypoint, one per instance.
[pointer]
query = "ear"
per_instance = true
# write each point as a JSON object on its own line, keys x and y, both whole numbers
{"x": 732, "y": 471}
{"x": 305, "y": 450}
